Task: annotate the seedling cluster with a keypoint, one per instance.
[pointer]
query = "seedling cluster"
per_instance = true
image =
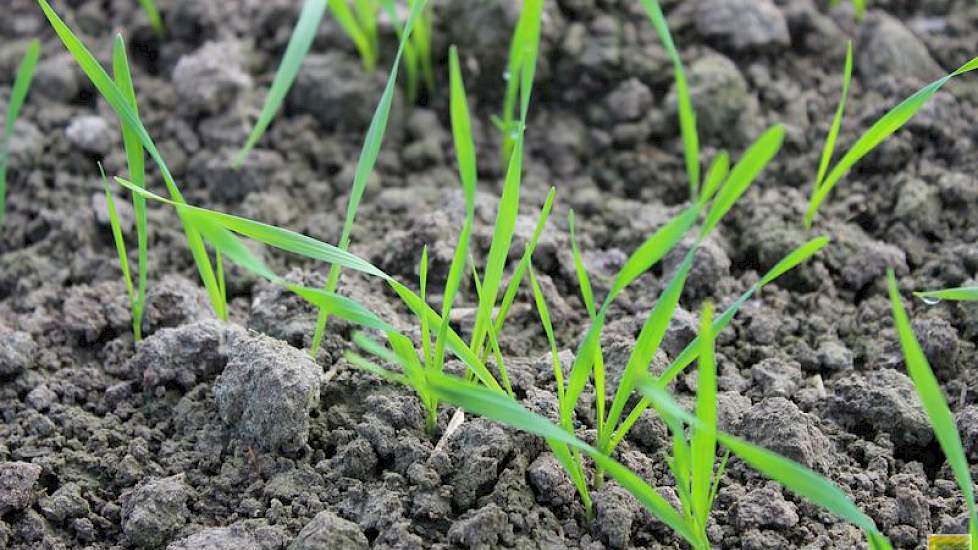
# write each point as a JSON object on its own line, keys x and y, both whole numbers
{"x": 486, "y": 389}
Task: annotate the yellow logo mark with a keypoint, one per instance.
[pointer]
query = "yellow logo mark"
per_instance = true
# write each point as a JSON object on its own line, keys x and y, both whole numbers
{"x": 948, "y": 542}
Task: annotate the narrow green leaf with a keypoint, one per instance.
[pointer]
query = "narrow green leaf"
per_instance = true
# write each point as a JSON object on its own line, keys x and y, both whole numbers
{"x": 120, "y": 241}
{"x": 523, "y": 50}
{"x": 425, "y": 330}
{"x": 754, "y": 159}
{"x": 687, "y": 115}
{"x": 366, "y": 162}
{"x": 375, "y": 369}
{"x": 704, "y": 444}
{"x": 716, "y": 175}
{"x": 931, "y": 397}
{"x": 153, "y": 14}
{"x": 963, "y": 294}
{"x": 351, "y": 26}
{"x": 296, "y": 51}
{"x": 877, "y": 133}
{"x": 462, "y": 129}
{"x": 22, "y": 83}
{"x": 544, "y": 312}
{"x": 829, "y": 148}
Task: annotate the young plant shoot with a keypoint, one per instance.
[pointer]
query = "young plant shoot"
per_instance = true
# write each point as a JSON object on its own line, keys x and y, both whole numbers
{"x": 22, "y": 84}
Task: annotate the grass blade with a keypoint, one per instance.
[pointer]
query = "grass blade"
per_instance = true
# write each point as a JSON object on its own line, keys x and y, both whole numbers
{"x": 795, "y": 477}
{"x": 877, "y": 133}
{"x": 351, "y": 26}
{"x": 704, "y": 443}
{"x": 366, "y": 162}
{"x": 297, "y": 49}
{"x": 425, "y": 330}
{"x": 717, "y": 174}
{"x": 22, "y": 84}
{"x": 548, "y": 328}
{"x": 829, "y": 148}
{"x": 153, "y": 14}
{"x": 120, "y": 241}
{"x": 963, "y": 294}
{"x": 136, "y": 163}
{"x": 687, "y": 115}
{"x": 522, "y": 52}
{"x": 117, "y": 100}
{"x": 931, "y": 397}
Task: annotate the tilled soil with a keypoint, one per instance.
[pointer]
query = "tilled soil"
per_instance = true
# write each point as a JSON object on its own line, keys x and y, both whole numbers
{"x": 209, "y": 435}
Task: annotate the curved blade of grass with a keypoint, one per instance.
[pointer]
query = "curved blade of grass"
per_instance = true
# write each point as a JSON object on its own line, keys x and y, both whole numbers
{"x": 795, "y": 477}
{"x": 687, "y": 115}
{"x": 754, "y": 159}
{"x": 963, "y": 293}
{"x": 523, "y": 50}
{"x": 829, "y": 147}
{"x": 283, "y": 239}
{"x": 717, "y": 174}
{"x": 366, "y": 162}
{"x": 410, "y": 55}
{"x": 117, "y": 100}
{"x": 299, "y": 44}
{"x": 422, "y": 47}
{"x": 544, "y": 312}
{"x": 703, "y": 446}
{"x": 505, "y": 410}
{"x": 939, "y": 414}
{"x": 120, "y": 241}
{"x": 153, "y": 14}
{"x": 136, "y": 162}
{"x": 425, "y": 330}
{"x": 22, "y": 84}
{"x": 692, "y": 350}
{"x": 877, "y": 133}
{"x": 491, "y": 331}
{"x": 375, "y": 369}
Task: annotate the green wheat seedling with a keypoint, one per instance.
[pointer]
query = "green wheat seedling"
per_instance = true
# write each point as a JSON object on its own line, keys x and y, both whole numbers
{"x": 958, "y": 294}
{"x": 876, "y": 134}
{"x": 365, "y": 163}
{"x": 153, "y": 14}
{"x": 22, "y": 84}
{"x": 360, "y": 25}
{"x": 938, "y": 412}
{"x": 523, "y": 50}
{"x": 137, "y": 174}
{"x": 128, "y": 117}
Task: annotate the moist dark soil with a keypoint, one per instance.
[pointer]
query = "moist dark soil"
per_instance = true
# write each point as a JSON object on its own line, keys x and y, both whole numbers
{"x": 228, "y": 436}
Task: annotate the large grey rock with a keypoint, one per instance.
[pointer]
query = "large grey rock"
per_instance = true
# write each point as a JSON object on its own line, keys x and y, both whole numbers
{"x": 17, "y": 352}
{"x": 17, "y": 481}
{"x": 327, "y": 531}
{"x": 779, "y": 425}
{"x": 334, "y": 88}
{"x": 266, "y": 391}
{"x": 155, "y": 510}
{"x": 886, "y": 47}
{"x": 210, "y": 79}
{"x": 742, "y": 24}
{"x": 217, "y": 538}
{"x": 886, "y": 401}
{"x": 765, "y": 507}
{"x": 56, "y": 78}
{"x": 183, "y": 356}
{"x": 724, "y": 106}
{"x": 66, "y": 503}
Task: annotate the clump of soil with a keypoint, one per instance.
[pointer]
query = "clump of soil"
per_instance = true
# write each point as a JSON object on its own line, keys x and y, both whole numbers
{"x": 221, "y": 436}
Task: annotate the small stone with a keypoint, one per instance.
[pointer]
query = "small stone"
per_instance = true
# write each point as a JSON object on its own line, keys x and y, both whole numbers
{"x": 886, "y": 402}
{"x": 55, "y": 77}
{"x": 91, "y": 134}
{"x": 779, "y": 425}
{"x": 481, "y": 529}
{"x": 743, "y": 24}
{"x": 155, "y": 510}
{"x": 123, "y": 210}
{"x": 175, "y": 300}
{"x": 630, "y": 101}
{"x": 17, "y": 481}
{"x": 266, "y": 391}
{"x": 334, "y": 88}
{"x": 66, "y": 503}
{"x": 17, "y": 352}
{"x": 210, "y": 79}
{"x": 939, "y": 340}
{"x": 765, "y": 508}
{"x": 41, "y": 398}
{"x": 725, "y": 107}
{"x": 550, "y": 481}
{"x": 615, "y": 510}
{"x": 967, "y": 421}
{"x": 777, "y": 377}
{"x": 680, "y": 332}
{"x": 183, "y": 356}
{"x": 834, "y": 356}
{"x": 217, "y": 538}
{"x": 327, "y": 531}
{"x": 886, "y": 47}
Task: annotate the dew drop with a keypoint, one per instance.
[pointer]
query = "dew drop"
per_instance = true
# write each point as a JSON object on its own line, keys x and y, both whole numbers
{"x": 514, "y": 135}
{"x": 506, "y": 76}
{"x": 930, "y": 300}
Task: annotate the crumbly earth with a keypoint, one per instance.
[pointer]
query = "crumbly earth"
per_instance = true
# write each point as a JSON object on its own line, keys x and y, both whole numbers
{"x": 214, "y": 436}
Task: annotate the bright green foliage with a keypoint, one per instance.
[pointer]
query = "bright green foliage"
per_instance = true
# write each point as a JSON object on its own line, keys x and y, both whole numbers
{"x": 22, "y": 83}
{"x": 299, "y": 44}
{"x": 155, "y": 21}
{"x": 829, "y": 147}
{"x": 929, "y": 391}
{"x": 137, "y": 174}
{"x": 360, "y": 27}
{"x": 523, "y": 51}
{"x": 120, "y": 246}
{"x": 366, "y": 162}
{"x": 859, "y": 7}
{"x": 876, "y": 134}
{"x": 687, "y": 116}
{"x": 960, "y": 294}
{"x": 128, "y": 117}
{"x": 795, "y": 477}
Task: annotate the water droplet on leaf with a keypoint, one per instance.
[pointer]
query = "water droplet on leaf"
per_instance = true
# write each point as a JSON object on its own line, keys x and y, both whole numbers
{"x": 930, "y": 300}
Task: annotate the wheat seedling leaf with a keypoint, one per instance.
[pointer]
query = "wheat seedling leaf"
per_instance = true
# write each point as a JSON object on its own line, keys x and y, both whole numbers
{"x": 829, "y": 148}
{"x": 153, "y": 14}
{"x": 704, "y": 443}
{"x": 962, "y": 293}
{"x": 22, "y": 84}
